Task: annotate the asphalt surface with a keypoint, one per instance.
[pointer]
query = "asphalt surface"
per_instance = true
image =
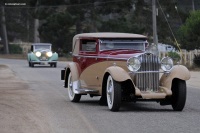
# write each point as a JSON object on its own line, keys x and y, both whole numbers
{"x": 33, "y": 100}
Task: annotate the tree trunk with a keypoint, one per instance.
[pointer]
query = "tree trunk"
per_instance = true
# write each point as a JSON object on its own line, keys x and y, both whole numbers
{"x": 36, "y": 33}
{"x": 78, "y": 26}
{"x": 36, "y": 25}
{"x": 4, "y": 31}
{"x": 193, "y": 7}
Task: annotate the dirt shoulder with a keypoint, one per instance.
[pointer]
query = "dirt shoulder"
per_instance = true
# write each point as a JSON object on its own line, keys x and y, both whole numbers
{"x": 19, "y": 110}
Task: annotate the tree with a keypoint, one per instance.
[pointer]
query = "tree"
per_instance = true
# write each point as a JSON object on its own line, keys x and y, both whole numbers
{"x": 19, "y": 23}
{"x": 115, "y": 15}
{"x": 42, "y": 10}
{"x": 189, "y": 33}
{"x": 56, "y": 30}
{"x": 4, "y": 31}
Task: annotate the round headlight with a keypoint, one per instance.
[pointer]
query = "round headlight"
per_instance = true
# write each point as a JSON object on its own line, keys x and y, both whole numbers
{"x": 166, "y": 64}
{"x": 38, "y": 54}
{"x": 49, "y": 54}
{"x": 133, "y": 64}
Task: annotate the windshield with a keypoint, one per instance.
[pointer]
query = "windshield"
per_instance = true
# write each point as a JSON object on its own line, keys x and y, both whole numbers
{"x": 42, "y": 47}
{"x": 122, "y": 44}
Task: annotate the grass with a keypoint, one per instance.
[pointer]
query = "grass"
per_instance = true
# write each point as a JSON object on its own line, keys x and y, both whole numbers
{"x": 193, "y": 68}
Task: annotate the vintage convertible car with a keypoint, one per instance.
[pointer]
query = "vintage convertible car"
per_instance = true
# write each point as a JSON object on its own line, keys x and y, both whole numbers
{"x": 122, "y": 67}
{"x": 41, "y": 54}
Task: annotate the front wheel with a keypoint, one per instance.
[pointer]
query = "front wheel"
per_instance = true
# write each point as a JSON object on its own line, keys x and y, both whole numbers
{"x": 72, "y": 96}
{"x": 32, "y": 64}
{"x": 55, "y": 64}
{"x": 113, "y": 92}
{"x": 179, "y": 91}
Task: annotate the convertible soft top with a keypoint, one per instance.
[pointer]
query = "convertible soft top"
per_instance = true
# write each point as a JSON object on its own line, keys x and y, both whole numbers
{"x": 103, "y": 35}
{"x": 110, "y": 35}
{"x": 107, "y": 35}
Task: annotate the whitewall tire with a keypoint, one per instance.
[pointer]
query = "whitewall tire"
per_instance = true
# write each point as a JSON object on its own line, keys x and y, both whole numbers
{"x": 72, "y": 96}
{"x": 113, "y": 93}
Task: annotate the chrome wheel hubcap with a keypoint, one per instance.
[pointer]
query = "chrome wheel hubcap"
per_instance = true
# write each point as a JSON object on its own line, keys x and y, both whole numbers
{"x": 110, "y": 92}
{"x": 70, "y": 87}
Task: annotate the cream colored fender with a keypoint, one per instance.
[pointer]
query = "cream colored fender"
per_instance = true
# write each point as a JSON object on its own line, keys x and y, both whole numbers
{"x": 178, "y": 71}
{"x": 118, "y": 74}
{"x": 74, "y": 70}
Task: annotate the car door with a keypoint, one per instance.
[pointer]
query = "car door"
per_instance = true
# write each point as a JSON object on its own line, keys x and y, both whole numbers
{"x": 88, "y": 57}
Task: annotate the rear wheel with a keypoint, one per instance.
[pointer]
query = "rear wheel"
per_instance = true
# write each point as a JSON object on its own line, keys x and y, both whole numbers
{"x": 113, "y": 92}
{"x": 179, "y": 91}
{"x": 29, "y": 63}
{"x": 72, "y": 96}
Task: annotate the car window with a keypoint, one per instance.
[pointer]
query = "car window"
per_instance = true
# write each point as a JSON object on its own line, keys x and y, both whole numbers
{"x": 42, "y": 47}
{"x": 88, "y": 45}
{"x": 122, "y": 44}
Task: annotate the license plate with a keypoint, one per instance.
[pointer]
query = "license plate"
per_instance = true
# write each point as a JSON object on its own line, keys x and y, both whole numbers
{"x": 43, "y": 63}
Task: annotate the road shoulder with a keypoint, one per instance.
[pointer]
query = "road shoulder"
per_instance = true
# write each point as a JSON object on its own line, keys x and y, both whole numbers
{"x": 19, "y": 110}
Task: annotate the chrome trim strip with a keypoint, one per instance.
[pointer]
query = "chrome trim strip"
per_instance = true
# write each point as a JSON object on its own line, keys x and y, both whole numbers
{"x": 85, "y": 91}
{"x": 104, "y": 57}
{"x": 146, "y": 72}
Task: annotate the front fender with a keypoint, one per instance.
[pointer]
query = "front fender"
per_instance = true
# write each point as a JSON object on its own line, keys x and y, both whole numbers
{"x": 54, "y": 57}
{"x": 178, "y": 71}
{"x": 117, "y": 73}
{"x": 28, "y": 57}
{"x": 32, "y": 57}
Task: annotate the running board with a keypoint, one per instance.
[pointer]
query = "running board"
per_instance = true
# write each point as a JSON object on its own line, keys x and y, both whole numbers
{"x": 85, "y": 91}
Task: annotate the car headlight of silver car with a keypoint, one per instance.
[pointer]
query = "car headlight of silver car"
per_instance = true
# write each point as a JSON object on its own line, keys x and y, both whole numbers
{"x": 49, "y": 54}
{"x": 133, "y": 64}
{"x": 38, "y": 54}
{"x": 166, "y": 64}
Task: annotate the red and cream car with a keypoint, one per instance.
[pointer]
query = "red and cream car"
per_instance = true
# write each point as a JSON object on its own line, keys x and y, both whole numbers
{"x": 121, "y": 67}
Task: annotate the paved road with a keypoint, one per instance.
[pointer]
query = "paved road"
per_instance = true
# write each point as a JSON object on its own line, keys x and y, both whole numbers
{"x": 33, "y": 100}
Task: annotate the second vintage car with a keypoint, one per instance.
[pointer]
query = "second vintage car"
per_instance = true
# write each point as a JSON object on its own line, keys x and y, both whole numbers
{"x": 42, "y": 54}
{"x": 122, "y": 67}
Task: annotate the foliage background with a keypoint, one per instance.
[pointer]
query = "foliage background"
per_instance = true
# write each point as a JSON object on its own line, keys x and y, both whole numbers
{"x": 60, "y": 20}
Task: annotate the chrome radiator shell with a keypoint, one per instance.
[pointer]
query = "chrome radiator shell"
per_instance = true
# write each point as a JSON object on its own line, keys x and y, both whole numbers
{"x": 147, "y": 77}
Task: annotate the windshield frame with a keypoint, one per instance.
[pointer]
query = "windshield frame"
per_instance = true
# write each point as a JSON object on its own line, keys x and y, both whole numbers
{"x": 123, "y": 41}
{"x": 48, "y": 47}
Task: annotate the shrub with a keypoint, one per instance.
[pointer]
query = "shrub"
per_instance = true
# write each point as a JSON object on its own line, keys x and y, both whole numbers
{"x": 15, "y": 49}
{"x": 196, "y": 60}
{"x": 175, "y": 56}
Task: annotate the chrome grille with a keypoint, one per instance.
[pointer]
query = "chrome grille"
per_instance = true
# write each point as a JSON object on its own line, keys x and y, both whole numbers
{"x": 147, "y": 78}
{"x": 43, "y": 56}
